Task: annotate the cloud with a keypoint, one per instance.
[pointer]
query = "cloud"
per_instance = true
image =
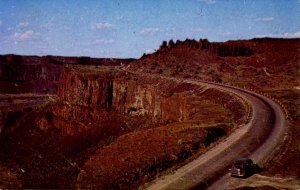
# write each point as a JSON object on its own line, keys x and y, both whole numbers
{"x": 0, "y": 22}
{"x": 173, "y": 33}
{"x": 225, "y": 34}
{"x": 209, "y": 2}
{"x": 149, "y": 31}
{"x": 23, "y": 36}
{"x": 150, "y": 50}
{"x": 264, "y": 19}
{"x": 96, "y": 52}
{"x": 47, "y": 26}
{"x": 197, "y": 30}
{"x": 23, "y": 24}
{"x": 284, "y": 35}
{"x": 102, "y": 26}
{"x": 100, "y": 42}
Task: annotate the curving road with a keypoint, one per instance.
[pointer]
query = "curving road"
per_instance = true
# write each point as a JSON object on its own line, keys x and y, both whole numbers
{"x": 257, "y": 139}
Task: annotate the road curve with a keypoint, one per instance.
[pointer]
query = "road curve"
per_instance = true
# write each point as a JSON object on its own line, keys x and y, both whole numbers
{"x": 257, "y": 139}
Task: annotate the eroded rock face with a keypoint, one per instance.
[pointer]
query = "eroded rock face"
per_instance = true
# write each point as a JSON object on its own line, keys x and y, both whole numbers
{"x": 164, "y": 101}
{"x": 125, "y": 95}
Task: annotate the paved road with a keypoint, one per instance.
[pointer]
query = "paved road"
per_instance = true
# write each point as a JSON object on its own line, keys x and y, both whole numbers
{"x": 257, "y": 139}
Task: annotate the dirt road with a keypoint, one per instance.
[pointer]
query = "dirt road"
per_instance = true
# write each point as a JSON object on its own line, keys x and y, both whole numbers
{"x": 257, "y": 139}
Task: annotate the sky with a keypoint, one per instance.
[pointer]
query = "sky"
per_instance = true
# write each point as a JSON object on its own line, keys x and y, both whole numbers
{"x": 129, "y": 28}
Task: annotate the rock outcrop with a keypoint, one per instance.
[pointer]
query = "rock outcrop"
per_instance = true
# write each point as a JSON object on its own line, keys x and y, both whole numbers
{"x": 164, "y": 101}
{"x": 124, "y": 93}
{"x": 221, "y": 49}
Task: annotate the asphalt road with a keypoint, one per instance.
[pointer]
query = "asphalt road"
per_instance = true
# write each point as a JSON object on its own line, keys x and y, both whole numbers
{"x": 257, "y": 139}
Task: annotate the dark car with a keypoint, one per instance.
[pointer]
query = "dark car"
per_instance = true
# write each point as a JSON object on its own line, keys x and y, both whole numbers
{"x": 242, "y": 167}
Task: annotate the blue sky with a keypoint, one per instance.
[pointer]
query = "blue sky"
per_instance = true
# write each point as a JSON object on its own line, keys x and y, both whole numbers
{"x": 129, "y": 28}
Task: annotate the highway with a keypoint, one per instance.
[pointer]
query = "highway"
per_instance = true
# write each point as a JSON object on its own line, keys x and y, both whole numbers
{"x": 257, "y": 139}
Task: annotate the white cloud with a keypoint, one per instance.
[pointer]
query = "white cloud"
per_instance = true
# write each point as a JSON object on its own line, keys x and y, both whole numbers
{"x": 103, "y": 42}
{"x": 197, "y": 30}
{"x": 173, "y": 33}
{"x": 262, "y": 35}
{"x": 23, "y": 36}
{"x": 294, "y": 35}
{"x": 66, "y": 28}
{"x": 265, "y": 19}
{"x": 23, "y": 24}
{"x": 150, "y": 50}
{"x": 47, "y": 26}
{"x": 284, "y": 35}
{"x": 226, "y": 34}
{"x": 149, "y": 31}
{"x": 209, "y": 2}
{"x": 100, "y": 42}
{"x": 96, "y": 52}
{"x": 102, "y": 26}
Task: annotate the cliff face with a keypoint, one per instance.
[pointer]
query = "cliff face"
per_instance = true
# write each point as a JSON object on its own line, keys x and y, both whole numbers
{"x": 126, "y": 95}
{"x": 20, "y": 78}
{"x": 62, "y": 60}
{"x": 33, "y": 74}
{"x": 164, "y": 101}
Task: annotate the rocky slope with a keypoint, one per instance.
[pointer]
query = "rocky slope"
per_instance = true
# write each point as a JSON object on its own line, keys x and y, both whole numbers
{"x": 255, "y": 63}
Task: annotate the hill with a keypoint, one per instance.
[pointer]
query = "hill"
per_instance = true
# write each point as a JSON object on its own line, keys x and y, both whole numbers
{"x": 256, "y": 62}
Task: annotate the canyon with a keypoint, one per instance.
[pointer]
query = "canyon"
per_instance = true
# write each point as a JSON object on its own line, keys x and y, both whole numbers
{"x": 68, "y": 122}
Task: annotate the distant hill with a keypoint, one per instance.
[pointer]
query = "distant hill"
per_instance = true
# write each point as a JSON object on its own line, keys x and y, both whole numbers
{"x": 259, "y": 61}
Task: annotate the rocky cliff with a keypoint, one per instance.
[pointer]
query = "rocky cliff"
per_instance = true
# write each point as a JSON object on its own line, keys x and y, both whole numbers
{"x": 124, "y": 93}
{"x": 34, "y": 74}
{"x": 164, "y": 100}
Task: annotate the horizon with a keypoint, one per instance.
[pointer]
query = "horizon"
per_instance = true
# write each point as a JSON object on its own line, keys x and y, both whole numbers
{"x": 128, "y": 29}
{"x": 78, "y": 56}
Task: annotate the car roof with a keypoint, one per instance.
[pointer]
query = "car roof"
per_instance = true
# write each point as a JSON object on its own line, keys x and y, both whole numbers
{"x": 242, "y": 160}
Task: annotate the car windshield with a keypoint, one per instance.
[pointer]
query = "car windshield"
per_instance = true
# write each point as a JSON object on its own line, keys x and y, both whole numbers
{"x": 238, "y": 165}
